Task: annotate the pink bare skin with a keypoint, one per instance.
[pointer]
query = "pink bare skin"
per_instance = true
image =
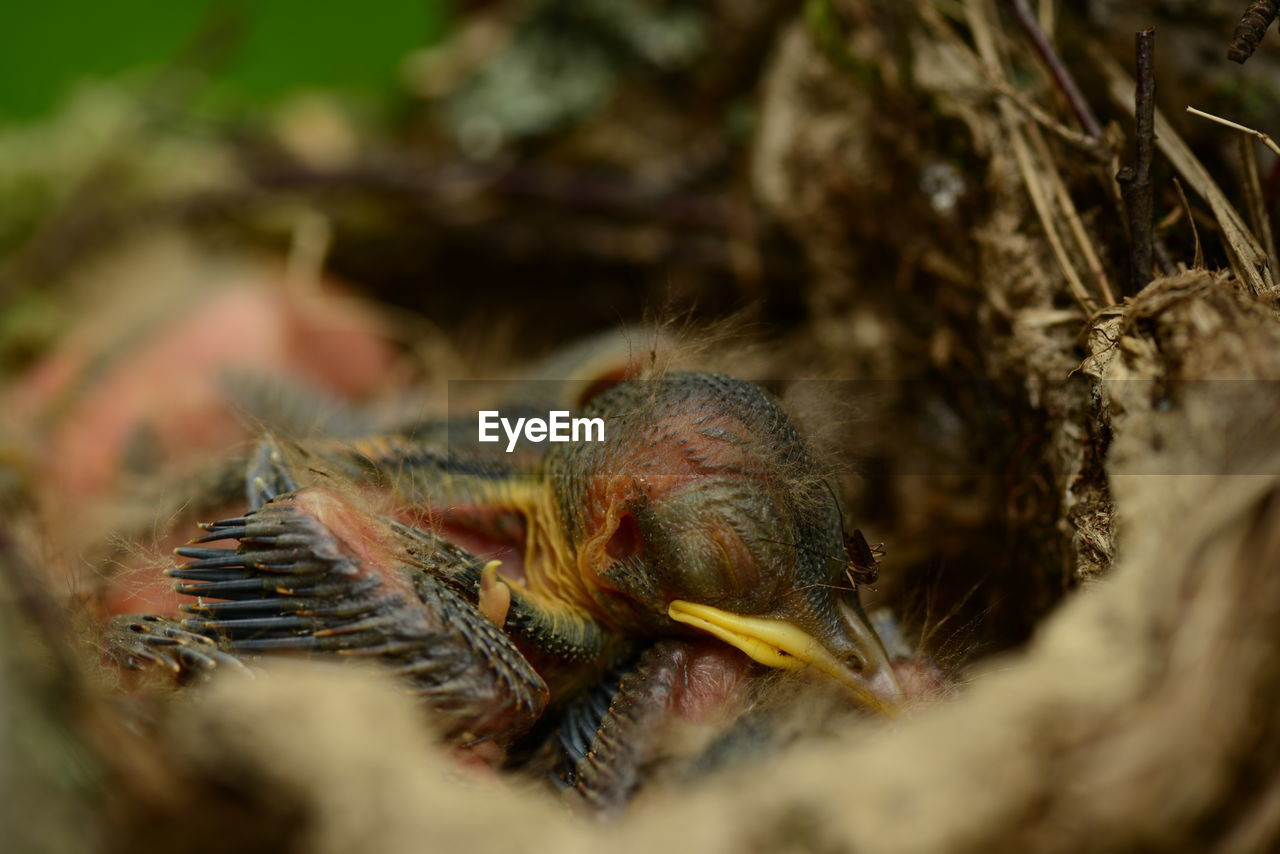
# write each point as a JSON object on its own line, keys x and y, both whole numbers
{"x": 920, "y": 680}
{"x": 88, "y": 399}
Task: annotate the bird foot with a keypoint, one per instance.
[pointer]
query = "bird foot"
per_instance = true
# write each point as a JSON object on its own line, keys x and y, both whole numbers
{"x": 138, "y": 642}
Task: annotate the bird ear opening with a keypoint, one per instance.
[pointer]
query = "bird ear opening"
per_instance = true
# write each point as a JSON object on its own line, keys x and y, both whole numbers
{"x": 626, "y": 541}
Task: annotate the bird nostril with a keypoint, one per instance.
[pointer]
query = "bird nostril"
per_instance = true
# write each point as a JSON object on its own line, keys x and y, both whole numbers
{"x": 855, "y": 663}
{"x": 626, "y": 541}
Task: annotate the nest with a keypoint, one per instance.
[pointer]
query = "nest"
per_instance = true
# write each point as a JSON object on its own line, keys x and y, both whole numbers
{"x": 1110, "y": 489}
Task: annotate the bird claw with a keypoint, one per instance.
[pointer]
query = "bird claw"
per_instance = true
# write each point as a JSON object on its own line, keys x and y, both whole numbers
{"x": 139, "y": 642}
{"x": 268, "y": 476}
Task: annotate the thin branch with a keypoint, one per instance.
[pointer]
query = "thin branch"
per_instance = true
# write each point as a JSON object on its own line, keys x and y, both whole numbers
{"x": 1139, "y": 196}
{"x": 1095, "y": 148}
{"x": 1044, "y": 49}
{"x": 1266, "y": 140}
{"x": 1248, "y": 260}
{"x": 1251, "y": 29}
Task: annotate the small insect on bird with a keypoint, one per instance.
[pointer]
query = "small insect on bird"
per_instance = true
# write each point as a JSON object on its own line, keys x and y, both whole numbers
{"x": 505, "y": 593}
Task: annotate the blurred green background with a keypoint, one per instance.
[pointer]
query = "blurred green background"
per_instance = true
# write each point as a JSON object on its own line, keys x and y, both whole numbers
{"x": 260, "y": 50}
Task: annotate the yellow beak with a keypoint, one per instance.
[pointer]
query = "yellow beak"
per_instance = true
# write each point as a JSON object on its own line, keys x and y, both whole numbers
{"x": 777, "y": 643}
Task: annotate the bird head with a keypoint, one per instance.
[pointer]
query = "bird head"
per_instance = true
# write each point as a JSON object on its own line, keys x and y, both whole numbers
{"x": 702, "y": 511}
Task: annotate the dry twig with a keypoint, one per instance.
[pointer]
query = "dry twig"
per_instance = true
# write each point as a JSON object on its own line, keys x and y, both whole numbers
{"x": 1061, "y": 76}
{"x": 1135, "y": 182}
{"x": 1252, "y": 27}
{"x": 1248, "y": 260}
{"x": 1095, "y": 148}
